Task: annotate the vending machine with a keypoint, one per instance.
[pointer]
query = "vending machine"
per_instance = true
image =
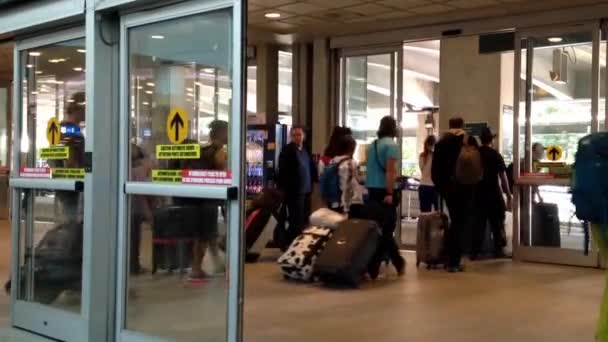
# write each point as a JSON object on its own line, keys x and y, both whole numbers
{"x": 264, "y": 144}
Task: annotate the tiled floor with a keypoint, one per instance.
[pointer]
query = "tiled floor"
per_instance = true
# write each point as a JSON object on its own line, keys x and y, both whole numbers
{"x": 493, "y": 301}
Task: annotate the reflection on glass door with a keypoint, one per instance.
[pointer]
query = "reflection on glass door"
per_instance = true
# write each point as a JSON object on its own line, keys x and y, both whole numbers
{"x": 177, "y": 172}
{"x": 368, "y": 95}
{"x": 559, "y": 105}
{"x": 48, "y": 186}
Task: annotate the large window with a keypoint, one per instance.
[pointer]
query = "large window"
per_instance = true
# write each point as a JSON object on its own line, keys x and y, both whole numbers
{"x": 420, "y": 100}
{"x": 285, "y": 87}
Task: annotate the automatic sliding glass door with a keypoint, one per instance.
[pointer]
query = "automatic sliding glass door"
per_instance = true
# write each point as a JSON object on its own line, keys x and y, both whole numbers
{"x": 557, "y": 103}
{"x": 48, "y": 181}
{"x": 181, "y": 162}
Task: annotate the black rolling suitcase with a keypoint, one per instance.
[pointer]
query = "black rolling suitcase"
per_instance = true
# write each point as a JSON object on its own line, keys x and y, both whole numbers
{"x": 545, "y": 225}
{"x": 57, "y": 263}
{"x": 348, "y": 252}
{"x": 172, "y": 237}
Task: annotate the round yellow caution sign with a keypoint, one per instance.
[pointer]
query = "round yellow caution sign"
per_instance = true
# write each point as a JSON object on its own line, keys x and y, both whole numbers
{"x": 554, "y": 153}
{"x": 177, "y": 125}
{"x": 53, "y": 131}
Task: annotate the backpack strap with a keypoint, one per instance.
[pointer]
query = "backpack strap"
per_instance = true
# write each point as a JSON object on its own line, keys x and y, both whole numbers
{"x": 377, "y": 157}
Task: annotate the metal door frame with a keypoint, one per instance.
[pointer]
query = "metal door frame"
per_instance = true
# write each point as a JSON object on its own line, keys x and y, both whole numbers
{"x": 234, "y": 194}
{"x": 396, "y": 96}
{"x": 42, "y": 319}
{"x": 546, "y": 254}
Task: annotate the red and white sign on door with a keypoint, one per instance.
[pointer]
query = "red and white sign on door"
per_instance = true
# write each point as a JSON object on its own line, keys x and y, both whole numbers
{"x": 35, "y": 172}
{"x": 206, "y": 177}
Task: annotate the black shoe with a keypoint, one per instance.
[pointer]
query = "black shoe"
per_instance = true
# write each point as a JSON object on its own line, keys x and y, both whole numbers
{"x": 374, "y": 270}
{"x": 400, "y": 266}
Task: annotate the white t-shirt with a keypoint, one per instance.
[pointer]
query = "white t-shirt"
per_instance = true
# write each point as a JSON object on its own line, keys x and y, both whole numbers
{"x": 425, "y": 167}
{"x": 350, "y": 185}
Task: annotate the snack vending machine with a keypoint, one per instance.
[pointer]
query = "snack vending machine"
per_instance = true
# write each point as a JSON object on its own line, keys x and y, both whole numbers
{"x": 264, "y": 144}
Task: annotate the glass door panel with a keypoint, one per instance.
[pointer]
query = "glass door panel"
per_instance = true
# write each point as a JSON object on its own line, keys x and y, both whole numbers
{"x": 180, "y": 213}
{"x": 368, "y": 95}
{"x": 559, "y": 105}
{"x": 48, "y": 185}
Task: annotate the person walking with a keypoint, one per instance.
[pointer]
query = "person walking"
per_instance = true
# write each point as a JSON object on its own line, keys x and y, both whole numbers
{"x": 455, "y": 171}
{"x": 491, "y": 207}
{"x": 202, "y": 214}
{"x": 426, "y": 191}
{"x": 382, "y": 163}
{"x": 297, "y": 173}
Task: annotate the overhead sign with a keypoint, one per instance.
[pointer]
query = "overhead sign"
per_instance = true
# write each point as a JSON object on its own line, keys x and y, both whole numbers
{"x": 186, "y": 151}
{"x": 53, "y": 131}
{"x": 55, "y": 153}
{"x": 177, "y": 125}
{"x": 554, "y": 152}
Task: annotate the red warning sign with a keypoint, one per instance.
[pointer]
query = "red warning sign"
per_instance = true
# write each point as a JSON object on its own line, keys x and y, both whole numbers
{"x": 206, "y": 177}
{"x": 35, "y": 172}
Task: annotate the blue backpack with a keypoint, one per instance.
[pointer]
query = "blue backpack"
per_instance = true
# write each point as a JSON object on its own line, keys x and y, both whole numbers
{"x": 590, "y": 179}
{"x": 329, "y": 184}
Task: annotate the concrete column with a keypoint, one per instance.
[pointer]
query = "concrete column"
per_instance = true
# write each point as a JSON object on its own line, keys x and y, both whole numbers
{"x": 267, "y": 96}
{"x": 472, "y": 85}
{"x": 321, "y": 92}
{"x": 302, "y": 83}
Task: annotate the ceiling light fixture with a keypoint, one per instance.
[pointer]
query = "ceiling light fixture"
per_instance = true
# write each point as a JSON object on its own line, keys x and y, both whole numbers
{"x": 208, "y": 70}
{"x": 77, "y": 69}
{"x": 29, "y": 66}
{"x": 150, "y": 84}
{"x": 39, "y": 72}
{"x": 34, "y": 53}
{"x": 82, "y": 50}
{"x": 157, "y": 36}
{"x": 140, "y": 87}
{"x": 555, "y": 39}
{"x": 149, "y": 92}
{"x": 145, "y": 103}
{"x": 272, "y": 15}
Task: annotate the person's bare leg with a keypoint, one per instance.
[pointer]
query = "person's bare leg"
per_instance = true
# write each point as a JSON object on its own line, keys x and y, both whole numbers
{"x": 198, "y": 253}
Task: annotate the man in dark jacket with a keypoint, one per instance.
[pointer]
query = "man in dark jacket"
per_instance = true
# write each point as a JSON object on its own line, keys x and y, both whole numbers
{"x": 458, "y": 197}
{"x": 297, "y": 174}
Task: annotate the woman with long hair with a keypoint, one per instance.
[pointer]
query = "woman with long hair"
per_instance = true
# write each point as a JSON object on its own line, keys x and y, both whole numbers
{"x": 331, "y": 151}
{"x": 426, "y": 192}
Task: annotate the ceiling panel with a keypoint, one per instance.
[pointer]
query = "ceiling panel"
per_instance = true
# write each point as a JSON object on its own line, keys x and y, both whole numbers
{"x": 309, "y": 18}
{"x": 369, "y": 9}
{"x": 300, "y": 8}
{"x": 472, "y": 3}
{"x": 336, "y": 3}
{"x": 404, "y": 4}
{"x": 432, "y": 9}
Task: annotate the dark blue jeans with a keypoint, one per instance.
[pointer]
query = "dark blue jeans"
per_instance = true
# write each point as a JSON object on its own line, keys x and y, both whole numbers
{"x": 428, "y": 198}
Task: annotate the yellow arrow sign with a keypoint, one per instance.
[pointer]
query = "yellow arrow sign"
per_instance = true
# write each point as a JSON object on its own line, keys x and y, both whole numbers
{"x": 177, "y": 125}
{"x": 53, "y": 131}
{"x": 554, "y": 152}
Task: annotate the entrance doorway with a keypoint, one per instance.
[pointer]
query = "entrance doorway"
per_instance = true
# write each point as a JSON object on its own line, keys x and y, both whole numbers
{"x": 558, "y": 102}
